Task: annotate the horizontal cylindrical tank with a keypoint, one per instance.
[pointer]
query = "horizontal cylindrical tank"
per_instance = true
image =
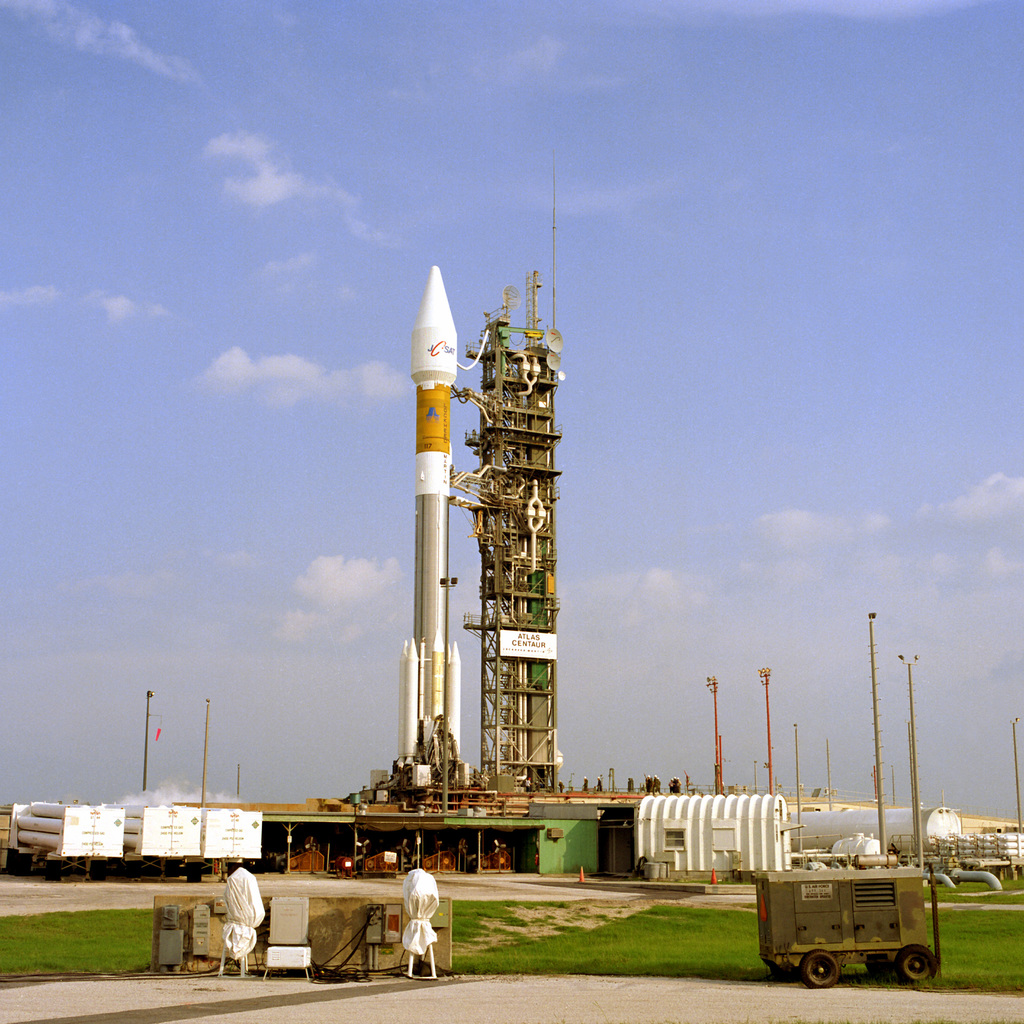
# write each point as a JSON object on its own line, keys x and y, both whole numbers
{"x": 859, "y": 845}
{"x": 823, "y": 828}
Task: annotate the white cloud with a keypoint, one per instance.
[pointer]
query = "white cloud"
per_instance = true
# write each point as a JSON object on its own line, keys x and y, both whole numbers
{"x": 995, "y": 498}
{"x": 120, "y": 308}
{"x": 37, "y": 295}
{"x": 270, "y": 181}
{"x": 332, "y": 582}
{"x": 76, "y": 27}
{"x": 275, "y": 269}
{"x": 998, "y": 565}
{"x": 350, "y": 597}
{"x": 638, "y": 598}
{"x": 796, "y": 528}
{"x": 288, "y": 379}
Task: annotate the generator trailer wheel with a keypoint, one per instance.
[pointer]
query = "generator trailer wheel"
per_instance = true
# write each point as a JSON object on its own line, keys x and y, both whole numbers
{"x": 819, "y": 969}
{"x": 916, "y": 963}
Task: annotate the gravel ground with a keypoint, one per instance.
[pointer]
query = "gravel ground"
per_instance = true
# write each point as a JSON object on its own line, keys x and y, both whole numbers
{"x": 505, "y": 1000}
{"x": 488, "y": 1000}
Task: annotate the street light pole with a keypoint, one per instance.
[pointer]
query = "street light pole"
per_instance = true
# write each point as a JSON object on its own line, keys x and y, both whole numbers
{"x": 1016, "y": 773}
{"x": 915, "y": 778}
{"x": 145, "y": 748}
{"x": 447, "y": 582}
{"x": 713, "y": 687}
{"x": 766, "y": 674}
{"x": 879, "y": 780}
{"x": 796, "y": 746}
{"x": 206, "y": 747}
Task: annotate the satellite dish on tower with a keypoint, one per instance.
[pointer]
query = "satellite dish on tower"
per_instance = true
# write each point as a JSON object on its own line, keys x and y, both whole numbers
{"x": 554, "y": 360}
{"x": 553, "y": 339}
{"x": 510, "y": 297}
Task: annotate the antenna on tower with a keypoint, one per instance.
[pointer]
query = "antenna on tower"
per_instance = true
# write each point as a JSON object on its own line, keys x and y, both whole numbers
{"x": 553, "y": 207}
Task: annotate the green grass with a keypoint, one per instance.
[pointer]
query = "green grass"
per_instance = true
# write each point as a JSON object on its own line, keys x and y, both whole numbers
{"x": 981, "y": 950}
{"x": 978, "y": 892}
{"x": 88, "y": 941}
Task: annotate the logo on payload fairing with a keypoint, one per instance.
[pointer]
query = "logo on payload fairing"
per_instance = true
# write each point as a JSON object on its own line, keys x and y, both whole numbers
{"x": 442, "y": 348}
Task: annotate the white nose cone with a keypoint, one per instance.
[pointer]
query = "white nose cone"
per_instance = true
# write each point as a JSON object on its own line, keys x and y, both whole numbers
{"x": 434, "y": 339}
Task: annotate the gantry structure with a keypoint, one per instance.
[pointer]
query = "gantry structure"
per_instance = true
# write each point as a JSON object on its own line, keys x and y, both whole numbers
{"x": 514, "y": 493}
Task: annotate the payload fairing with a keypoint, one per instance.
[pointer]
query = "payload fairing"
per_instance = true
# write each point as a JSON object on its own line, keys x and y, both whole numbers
{"x": 422, "y": 699}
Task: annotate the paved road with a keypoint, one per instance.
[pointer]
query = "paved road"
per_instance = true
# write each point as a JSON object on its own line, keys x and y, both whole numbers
{"x": 33, "y": 895}
{"x": 490, "y": 1000}
{"x": 505, "y": 1000}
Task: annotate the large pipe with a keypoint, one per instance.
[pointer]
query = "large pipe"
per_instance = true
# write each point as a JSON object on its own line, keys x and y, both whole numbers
{"x": 959, "y": 875}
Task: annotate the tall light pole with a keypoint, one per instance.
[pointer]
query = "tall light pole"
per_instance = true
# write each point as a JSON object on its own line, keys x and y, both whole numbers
{"x": 766, "y": 674}
{"x": 879, "y": 780}
{"x": 1016, "y": 773}
{"x": 447, "y": 582}
{"x": 828, "y": 765}
{"x": 915, "y": 778}
{"x": 145, "y": 748}
{"x": 206, "y": 748}
{"x": 713, "y": 687}
{"x": 796, "y": 747}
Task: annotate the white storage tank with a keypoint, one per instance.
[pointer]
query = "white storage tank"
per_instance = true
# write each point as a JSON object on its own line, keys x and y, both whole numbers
{"x": 821, "y": 829}
{"x": 856, "y": 846}
{"x": 700, "y": 834}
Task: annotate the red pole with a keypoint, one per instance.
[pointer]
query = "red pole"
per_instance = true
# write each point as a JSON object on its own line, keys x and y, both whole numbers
{"x": 766, "y": 674}
{"x": 713, "y": 687}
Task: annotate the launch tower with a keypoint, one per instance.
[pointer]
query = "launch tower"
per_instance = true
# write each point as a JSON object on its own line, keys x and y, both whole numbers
{"x": 515, "y": 488}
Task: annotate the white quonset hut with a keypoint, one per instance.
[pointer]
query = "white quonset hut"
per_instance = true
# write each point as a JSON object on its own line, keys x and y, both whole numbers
{"x": 700, "y": 834}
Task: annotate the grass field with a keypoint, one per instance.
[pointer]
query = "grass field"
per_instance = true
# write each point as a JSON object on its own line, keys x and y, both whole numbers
{"x": 982, "y": 950}
{"x": 86, "y": 941}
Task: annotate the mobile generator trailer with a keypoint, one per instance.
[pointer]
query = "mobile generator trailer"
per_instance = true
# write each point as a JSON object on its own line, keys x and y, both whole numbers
{"x": 815, "y": 922}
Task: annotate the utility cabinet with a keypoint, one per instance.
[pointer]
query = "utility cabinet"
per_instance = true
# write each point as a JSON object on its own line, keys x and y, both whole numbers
{"x": 814, "y": 922}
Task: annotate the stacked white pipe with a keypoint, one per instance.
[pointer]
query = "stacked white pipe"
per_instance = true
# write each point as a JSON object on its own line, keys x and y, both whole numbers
{"x": 1011, "y": 845}
{"x": 162, "y": 831}
{"x": 68, "y": 830}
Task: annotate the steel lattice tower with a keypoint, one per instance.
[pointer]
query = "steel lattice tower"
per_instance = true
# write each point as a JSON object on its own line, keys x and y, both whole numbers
{"x": 516, "y": 488}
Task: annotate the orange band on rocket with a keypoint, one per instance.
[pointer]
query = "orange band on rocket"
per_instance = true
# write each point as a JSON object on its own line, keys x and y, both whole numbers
{"x": 433, "y": 429}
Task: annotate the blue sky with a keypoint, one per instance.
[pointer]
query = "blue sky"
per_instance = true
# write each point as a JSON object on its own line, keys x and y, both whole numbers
{"x": 789, "y": 265}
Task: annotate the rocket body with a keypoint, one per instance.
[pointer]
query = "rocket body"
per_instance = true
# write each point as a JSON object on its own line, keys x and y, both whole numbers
{"x": 433, "y": 370}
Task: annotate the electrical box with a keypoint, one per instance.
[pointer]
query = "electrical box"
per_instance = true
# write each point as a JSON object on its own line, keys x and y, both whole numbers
{"x": 421, "y": 776}
{"x": 170, "y": 953}
{"x": 392, "y": 923}
{"x": 374, "y": 924}
{"x": 289, "y": 920}
{"x": 287, "y": 958}
{"x": 201, "y": 929}
{"x": 443, "y": 915}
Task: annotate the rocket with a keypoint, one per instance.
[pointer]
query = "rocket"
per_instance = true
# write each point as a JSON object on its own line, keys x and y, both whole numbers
{"x": 422, "y": 665}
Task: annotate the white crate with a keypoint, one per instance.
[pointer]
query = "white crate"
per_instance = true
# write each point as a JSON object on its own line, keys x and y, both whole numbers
{"x": 287, "y": 958}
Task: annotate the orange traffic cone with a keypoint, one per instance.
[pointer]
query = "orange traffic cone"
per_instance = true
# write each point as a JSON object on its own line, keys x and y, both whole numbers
{"x": 581, "y": 872}
{"x": 714, "y": 877}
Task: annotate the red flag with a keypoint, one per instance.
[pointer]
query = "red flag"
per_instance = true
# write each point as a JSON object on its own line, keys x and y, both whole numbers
{"x": 157, "y": 736}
